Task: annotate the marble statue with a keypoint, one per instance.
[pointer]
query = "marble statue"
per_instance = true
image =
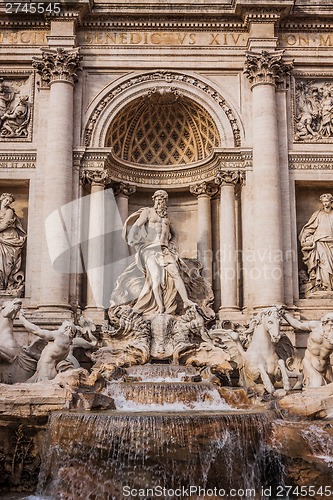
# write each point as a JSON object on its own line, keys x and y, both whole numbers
{"x": 15, "y": 122}
{"x": 316, "y": 239}
{"x": 150, "y": 232}
{"x": 58, "y": 348}
{"x": 12, "y": 240}
{"x": 158, "y": 294}
{"x": 316, "y": 366}
{"x": 6, "y": 97}
{"x": 17, "y": 363}
{"x": 255, "y": 351}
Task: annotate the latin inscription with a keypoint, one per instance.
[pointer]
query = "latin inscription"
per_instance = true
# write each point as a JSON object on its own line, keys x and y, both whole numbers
{"x": 23, "y": 37}
{"x": 163, "y": 38}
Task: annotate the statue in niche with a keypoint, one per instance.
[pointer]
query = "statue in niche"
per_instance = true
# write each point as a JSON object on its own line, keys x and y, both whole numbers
{"x": 159, "y": 281}
{"x": 316, "y": 239}
{"x": 12, "y": 240}
{"x": 15, "y": 122}
{"x": 57, "y": 355}
{"x": 316, "y": 366}
{"x": 156, "y": 292}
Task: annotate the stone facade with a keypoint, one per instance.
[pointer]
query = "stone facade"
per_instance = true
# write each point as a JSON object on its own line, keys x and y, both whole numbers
{"x": 226, "y": 105}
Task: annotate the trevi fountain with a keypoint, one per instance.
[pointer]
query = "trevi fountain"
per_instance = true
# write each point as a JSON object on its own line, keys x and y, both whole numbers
{"x": 166, "y": 250}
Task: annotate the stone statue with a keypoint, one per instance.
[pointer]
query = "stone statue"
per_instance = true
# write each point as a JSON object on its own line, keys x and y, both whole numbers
{"x": 159, "y": 281}
{"x": 59, "y": 344}
{"x": 159, "y": 298}
{"x": 317, "y": 370}
{"x": 316, "y": 239}
{"x": 15, "y": 122}
{"x": 255, "y": 350}
{"x": 17, "y": 363}
{"x": 12, "y": 239}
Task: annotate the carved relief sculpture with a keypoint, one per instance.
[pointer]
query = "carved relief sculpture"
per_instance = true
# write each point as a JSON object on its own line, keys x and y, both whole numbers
{"x": 15, "y": 109}
{"x": 316, "y": 239}
{"x": 313, "y": 111}
{"x": 12, "y": 240}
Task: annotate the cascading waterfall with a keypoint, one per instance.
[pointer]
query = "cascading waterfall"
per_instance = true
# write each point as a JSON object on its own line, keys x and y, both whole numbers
{"x": 94, "y": 455}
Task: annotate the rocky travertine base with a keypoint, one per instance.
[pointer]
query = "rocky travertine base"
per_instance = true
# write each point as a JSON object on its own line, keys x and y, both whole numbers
{"x": 310, "y": 403}
{"x": 306, "y": 450}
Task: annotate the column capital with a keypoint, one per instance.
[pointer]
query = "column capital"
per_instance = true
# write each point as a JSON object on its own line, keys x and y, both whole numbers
{"x": 229, "y": 177}
{"x": 266, "y": 67}
{"x": 123, "y": 188}
{"x": 203, "y": 189}
{"x": 95, "y": 177}
{"x": 58, "y": 65}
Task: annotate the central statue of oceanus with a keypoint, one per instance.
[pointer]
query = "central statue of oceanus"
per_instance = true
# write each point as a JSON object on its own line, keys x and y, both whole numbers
{"x": 156, "y": 291}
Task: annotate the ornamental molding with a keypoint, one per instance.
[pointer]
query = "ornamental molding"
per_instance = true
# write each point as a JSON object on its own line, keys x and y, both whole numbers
{"x": 204, "y": 189}
{"x": 168, "y": 177}
{"x": 303, "y": 161}
{"x": 123, "y": 188}
{"x": 98, "y": 177}
{"x": 266, "y": 67}
{"x": 58, "y": 65}
{"x": 17, "y": 160}
{"x": 229, "y": 177}
{"x": 170, "y": 78}
{"x": 170, "y": 25}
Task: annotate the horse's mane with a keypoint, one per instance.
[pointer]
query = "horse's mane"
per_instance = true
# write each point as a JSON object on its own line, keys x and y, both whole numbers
{"x": 257, "y": 319}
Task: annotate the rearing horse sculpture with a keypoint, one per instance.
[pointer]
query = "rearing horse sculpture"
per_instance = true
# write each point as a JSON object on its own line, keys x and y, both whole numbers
{"x": 260, "y": 361}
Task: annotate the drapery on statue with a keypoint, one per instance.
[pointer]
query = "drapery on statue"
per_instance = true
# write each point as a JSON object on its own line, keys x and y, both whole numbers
{"x": 159, "y": 281}
{"x": 316, "y": 239}
{"x": 12, "y": 239}
{"x": 14, "y": 123}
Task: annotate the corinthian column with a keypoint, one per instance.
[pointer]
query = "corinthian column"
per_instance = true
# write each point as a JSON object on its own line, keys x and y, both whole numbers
{"x": 227, "y": 180}
{"x": 122, "y": 192}
{"x": 58, "y": 70}
{"x": 204, "y": 191}
{"x": 264, "y": 71}
{"x": 98, "y": 179}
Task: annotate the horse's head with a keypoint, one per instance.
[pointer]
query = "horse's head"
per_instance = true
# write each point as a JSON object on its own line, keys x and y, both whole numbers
{"x": 10, "y": 308}
{"x": 270, "y": 318}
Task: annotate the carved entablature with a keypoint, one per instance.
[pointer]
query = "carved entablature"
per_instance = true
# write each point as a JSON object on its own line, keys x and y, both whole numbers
{"x": 320, "y": 161}
{"x": 174, "y": 177}
{"x": 59, "y": 64}
{"x": 16, "y": 106}
{"x": 17, "y": 160}
{"x": 266, "y": 67}
{"x": 312, "y": 110}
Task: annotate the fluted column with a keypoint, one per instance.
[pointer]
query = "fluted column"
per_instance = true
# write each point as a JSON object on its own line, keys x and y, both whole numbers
{"x": 227, "y": 180}
{"x": 204, "y": 191}
{"x": 264, "y": 71}
{"x": 58, "y": 70}
{"x": 98, "y": 179}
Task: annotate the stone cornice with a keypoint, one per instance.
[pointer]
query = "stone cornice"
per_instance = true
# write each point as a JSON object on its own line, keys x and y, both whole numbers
{"x": 17, "y": 160}
{"x": 168, "y": 177}
{"x": 305, "y": 161}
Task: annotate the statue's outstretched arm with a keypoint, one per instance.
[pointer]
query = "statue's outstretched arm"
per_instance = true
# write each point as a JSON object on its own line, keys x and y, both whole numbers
{"x": 36, "y": 330}
{"x": 306, "y": 326}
